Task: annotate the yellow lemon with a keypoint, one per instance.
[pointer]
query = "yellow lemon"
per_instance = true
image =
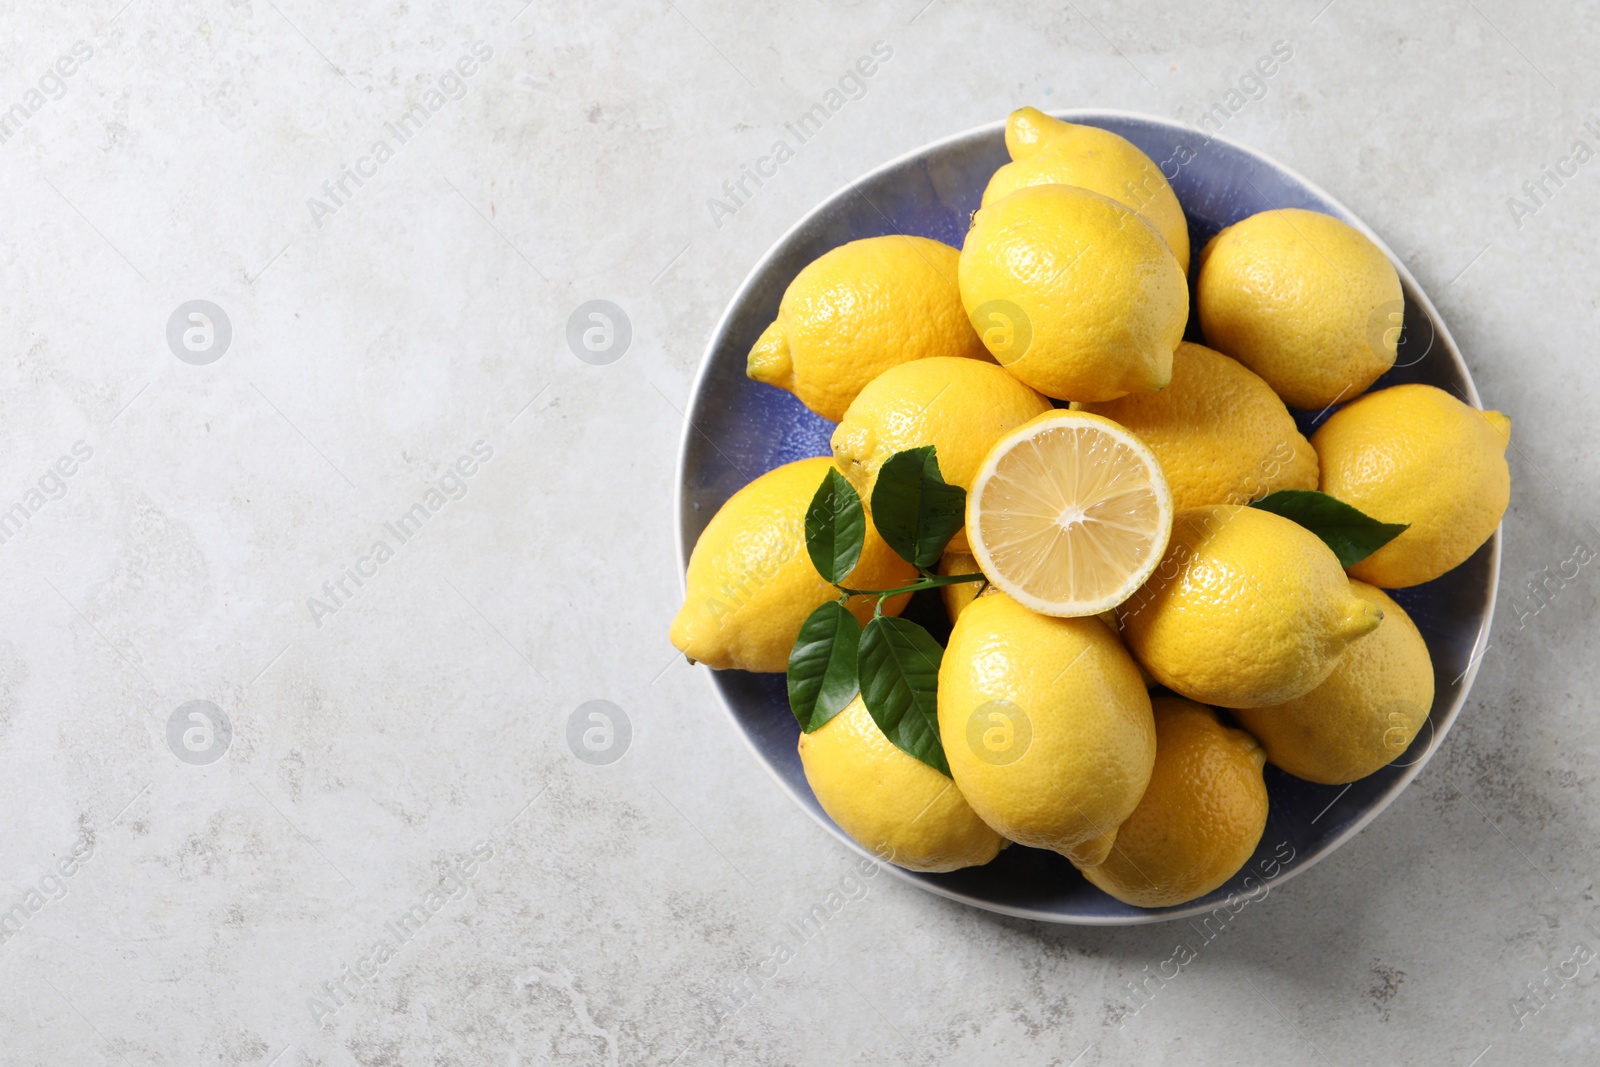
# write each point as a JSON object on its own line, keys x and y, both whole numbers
{"x": 1247, "y": 609}
{"x": 1046, "y": 150}
{"x": 1416, "y": 454}
{"x": 751, "y": 583}
{"x": 1074, "y": 293}
{"x": 960, "y": 406}
{"x": 858, "y": 310}
{"x": 956, "y": 597}
{"x": 890, "y": 803}
{"x": 1304, "y": 300}
{"x": 1046, "y": 725}
{"x": 1220, "y": 432}
{"x": 1200, "y": 819}
{"x": 1364, "y": 715}
{"x": 1069, "y": 514}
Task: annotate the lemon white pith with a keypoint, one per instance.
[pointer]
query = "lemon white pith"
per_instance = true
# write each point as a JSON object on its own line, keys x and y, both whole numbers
{"x": 1069, "y": 514}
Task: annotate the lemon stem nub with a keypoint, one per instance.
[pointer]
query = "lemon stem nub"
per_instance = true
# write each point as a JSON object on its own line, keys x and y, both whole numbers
{"x": 1027, "y": 128}
{"x": 1501, "y": 424}
{"x": 769, "y": 360}
{"x": 1363, "y": 618}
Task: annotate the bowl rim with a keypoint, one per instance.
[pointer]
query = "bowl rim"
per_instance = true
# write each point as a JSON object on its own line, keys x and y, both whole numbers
{"x": 1089, "y": 116}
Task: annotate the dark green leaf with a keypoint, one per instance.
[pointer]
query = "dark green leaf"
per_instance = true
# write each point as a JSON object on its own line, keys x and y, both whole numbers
{"x": 900, "y": 686}
{"x": 835, "y": 528}
{"x": 914, "y": 509}
{"x": 1352, "y": 534}
{"x": 822, "y": 665}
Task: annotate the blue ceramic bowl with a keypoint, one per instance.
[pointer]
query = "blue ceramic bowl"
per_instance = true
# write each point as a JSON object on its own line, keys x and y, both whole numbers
{"x": 739, "y": 429}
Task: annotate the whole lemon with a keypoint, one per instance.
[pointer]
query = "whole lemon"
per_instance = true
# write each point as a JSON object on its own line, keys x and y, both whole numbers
{"x": 1245, "y": 610}
{"x": 960, "y": 406}
{"x": 1046, "y": 725}
{"x": 891, "y": 803}
{"x": 751, "y": 583}
{"x": 858, "y": 310}
{"x": 1220, "y": 432}
{"x": 1304, "y": 300}
{"x": 1074, "y": 293}
{"x": 1364, "y": 715}
{"x": 1416, "y": 454}
{"x": 1046, "y": 150}
{"x": 1201, "y": 817}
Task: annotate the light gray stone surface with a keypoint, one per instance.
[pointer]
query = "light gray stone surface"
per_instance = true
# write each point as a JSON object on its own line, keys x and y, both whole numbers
{"x": 373, "y": 748}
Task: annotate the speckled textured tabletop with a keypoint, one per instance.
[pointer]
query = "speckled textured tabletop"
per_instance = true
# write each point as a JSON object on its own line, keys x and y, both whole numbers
{"x": 321, "y": 528}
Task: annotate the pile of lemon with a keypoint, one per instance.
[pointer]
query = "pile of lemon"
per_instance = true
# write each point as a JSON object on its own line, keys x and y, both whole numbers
{"x": 1113, "y": 529}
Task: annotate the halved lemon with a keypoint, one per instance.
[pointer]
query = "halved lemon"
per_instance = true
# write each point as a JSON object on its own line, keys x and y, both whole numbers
{"x": 1069, "y": 514}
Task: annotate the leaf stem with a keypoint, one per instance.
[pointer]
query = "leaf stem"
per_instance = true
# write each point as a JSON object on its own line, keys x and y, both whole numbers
{"x": 933, "y": 582}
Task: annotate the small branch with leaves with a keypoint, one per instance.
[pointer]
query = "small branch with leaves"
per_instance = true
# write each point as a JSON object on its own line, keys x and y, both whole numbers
{"x": 891, "y": 662}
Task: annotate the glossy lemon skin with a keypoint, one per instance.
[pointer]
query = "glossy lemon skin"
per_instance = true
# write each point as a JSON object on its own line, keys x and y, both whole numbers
{"x": 1415, "y": 454}
{"x": 751, "y": 583}
{"x": 892, "y": 804}
{"x": 1074, "y": 293}
{"x": 1247, "y": 609}
{"x": 1364, "y": 715}
{"x": 1220, "y": 432}
{"x": 960, "y": 406}
{"x": 1046, "y": 150}
{"x": 858, "y": 310}
{"x": 1046, "y": 725}
{"x": 1306, "y": 301}
{"x": 1201, "y": 817}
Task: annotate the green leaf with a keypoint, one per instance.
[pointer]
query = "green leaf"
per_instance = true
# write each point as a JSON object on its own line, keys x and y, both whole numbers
{"x": 1352, "y": 534}
{"x": 900, "y": 686}
{"x": 836, "y": 528}
{"x": 914, "y": 509}
{"x": 822, "y": 665}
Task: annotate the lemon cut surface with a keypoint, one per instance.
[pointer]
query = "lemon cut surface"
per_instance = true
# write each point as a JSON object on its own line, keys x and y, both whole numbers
{"x": 1069, "y": 514}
